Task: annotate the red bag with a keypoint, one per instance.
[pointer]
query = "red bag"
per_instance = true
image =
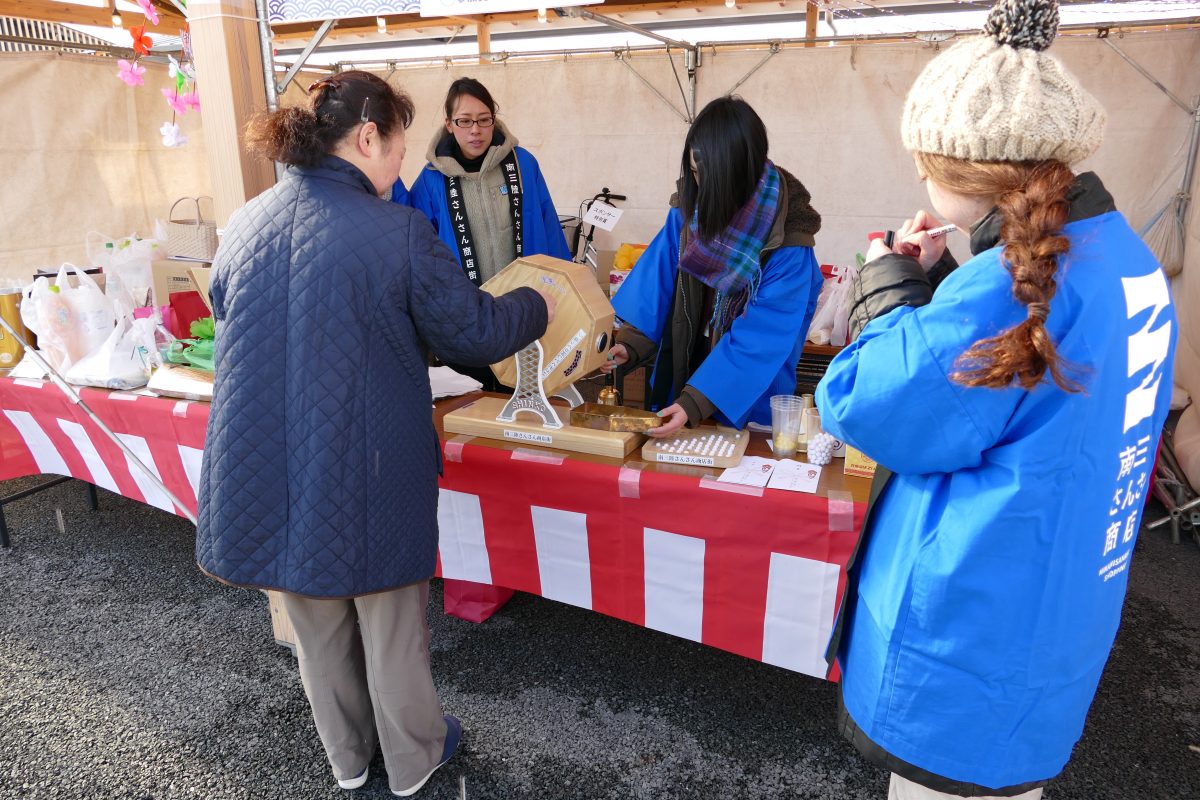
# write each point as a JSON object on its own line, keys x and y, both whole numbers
{"x": 186, "y": 308}
{"x": 473, "y": 602}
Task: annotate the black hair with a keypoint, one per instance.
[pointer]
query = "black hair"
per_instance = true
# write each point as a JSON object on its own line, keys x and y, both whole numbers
{"x": 471, "y": 87}
{"x": 729, "y": 142}
{"x": 304, "y": 134}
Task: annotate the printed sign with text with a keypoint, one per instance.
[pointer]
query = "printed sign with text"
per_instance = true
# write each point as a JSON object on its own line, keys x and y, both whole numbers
{"x": 602, "y": 215}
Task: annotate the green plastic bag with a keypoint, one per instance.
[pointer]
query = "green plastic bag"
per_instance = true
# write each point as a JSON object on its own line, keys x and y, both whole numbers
{"x": 196, "y": 352}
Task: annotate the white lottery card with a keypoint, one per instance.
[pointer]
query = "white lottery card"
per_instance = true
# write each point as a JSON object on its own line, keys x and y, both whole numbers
{"x": 750, "y": 471}
{"x": 795, "y": 476}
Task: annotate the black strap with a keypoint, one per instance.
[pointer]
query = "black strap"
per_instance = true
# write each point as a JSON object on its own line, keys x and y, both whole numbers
{"x": 468, "y": 255}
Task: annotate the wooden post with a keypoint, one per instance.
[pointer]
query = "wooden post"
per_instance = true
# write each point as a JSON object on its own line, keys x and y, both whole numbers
{"x": 483, "y": 35}
{"x": 810, "y": 23}
{"x": 229, "y": 69}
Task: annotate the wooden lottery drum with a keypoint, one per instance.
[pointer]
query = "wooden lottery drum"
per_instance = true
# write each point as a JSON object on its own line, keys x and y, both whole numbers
{"x": 577, "y": 341}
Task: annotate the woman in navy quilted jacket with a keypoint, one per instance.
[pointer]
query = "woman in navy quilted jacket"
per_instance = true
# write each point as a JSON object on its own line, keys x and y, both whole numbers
{"x": 321, "y": 462}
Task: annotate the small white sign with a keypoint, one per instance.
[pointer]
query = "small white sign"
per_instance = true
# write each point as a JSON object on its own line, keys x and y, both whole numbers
{"x": 602, "y": 215}
{"x": 453, "y": 8}
{"x": 523, "y": 436}
{"x": 696, "y": 461}
{"x": 795, "y": 476}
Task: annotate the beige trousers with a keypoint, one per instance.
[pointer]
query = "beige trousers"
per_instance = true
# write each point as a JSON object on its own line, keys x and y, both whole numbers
{"x": 379, "y": 689}
{"x": 904, "y": 789}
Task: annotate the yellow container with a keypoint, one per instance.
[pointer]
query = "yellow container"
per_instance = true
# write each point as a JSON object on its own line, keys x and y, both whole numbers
{"x": 11, "y": 349}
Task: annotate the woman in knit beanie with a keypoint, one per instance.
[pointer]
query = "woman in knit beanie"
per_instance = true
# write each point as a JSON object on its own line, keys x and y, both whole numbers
{"x": 1016, "y": 403}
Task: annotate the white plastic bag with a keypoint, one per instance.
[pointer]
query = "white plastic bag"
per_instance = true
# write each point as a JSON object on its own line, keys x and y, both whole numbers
{"x": 123, "y": 361}
{"x": 70, "y": 321}
{"x": 830, "y": 323}
{"x": 129, "y": 258}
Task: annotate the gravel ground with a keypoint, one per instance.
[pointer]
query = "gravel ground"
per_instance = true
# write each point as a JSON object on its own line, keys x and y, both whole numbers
{"x": 124, "y": 673}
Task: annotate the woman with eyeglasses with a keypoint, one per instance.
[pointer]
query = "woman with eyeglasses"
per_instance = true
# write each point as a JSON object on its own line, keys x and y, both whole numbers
{"x": 721, "y": 300}
{"x": 486, "y": 197}
{"x": 321, "y": 461}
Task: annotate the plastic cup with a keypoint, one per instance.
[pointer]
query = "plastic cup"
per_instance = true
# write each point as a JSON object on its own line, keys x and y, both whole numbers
{"x": 786, "y": 411}
{"x": 812, "y": 423}
{"x": 803, "y": 440}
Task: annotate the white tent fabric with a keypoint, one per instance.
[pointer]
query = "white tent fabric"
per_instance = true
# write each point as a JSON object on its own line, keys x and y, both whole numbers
{"x": 81, "y": 152}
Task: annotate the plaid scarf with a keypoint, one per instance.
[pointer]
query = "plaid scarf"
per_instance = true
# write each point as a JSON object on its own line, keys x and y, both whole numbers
{"x": 729, "y": 263}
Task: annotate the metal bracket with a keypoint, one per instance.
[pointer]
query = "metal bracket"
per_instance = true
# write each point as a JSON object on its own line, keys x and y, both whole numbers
{"x": 301, "y": 59}
{"x": 583, "y": 13}
{"x": 1145, "y": 73}
{"x": 529, "y": 394}
{"x": 775, "y": 48}
{"x": 622, "y": 56}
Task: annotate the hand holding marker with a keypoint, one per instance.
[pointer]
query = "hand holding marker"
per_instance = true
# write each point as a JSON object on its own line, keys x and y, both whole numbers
{"x": 890, "y": 236}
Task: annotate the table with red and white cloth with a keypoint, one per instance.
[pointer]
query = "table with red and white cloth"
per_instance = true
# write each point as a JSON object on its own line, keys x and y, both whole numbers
{"x": 754, "y": 572}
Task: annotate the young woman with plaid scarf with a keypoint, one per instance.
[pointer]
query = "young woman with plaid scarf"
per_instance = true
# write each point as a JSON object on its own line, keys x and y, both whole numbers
{"x": 721, "y": 300}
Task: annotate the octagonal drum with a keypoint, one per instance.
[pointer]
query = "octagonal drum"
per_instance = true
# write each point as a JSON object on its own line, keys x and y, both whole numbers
{"x": 577, "y": 342}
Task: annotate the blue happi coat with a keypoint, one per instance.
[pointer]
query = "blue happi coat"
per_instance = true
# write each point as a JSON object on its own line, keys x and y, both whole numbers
{"x": 541, "y": 232}
{"x": 991, "y": 584}
{"x": 756, "y": 358}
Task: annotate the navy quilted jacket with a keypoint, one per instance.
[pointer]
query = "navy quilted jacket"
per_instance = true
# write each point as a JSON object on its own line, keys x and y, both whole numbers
{"x": 321, "y": 461}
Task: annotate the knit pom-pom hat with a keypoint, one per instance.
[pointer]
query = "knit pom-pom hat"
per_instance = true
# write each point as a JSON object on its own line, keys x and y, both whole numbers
{"x": 1001, "y": 97}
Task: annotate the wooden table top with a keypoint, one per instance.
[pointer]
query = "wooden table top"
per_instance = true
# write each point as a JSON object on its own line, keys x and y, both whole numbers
{"x": 832, "y": 477}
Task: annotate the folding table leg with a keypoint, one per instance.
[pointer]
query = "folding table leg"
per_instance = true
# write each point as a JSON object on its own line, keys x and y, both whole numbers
{"x": 41, "y": 487}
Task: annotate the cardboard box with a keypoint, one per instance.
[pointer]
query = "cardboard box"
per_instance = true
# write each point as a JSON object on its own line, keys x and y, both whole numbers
{"x": 858, "y": 463}
{"x": 171, "y": 275}
{"x": 72, "y": 280}
{"x": 603, "y": 266}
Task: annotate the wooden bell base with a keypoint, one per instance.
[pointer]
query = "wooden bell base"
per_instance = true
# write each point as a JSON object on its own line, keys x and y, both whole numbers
{"x": 479, "y": 419}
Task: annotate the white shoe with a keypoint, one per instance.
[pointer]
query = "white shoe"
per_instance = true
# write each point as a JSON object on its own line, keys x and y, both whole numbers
{"x": 354, "y": 783}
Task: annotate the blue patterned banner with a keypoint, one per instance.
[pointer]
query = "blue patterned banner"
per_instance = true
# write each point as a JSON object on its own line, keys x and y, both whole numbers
{"x": 309, "y": 10}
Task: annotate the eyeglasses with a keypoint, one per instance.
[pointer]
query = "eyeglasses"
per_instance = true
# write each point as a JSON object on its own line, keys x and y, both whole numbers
{"x": 335, "y": 84}
{"x": 483, "y": 122}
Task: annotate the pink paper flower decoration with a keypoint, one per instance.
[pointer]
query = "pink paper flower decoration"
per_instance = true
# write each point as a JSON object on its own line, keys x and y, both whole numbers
{"x": 177, "y": 103}
{"x": 192, "y": 100}
{"x": 131, "y": 73}
{"x": 149, "y": 10}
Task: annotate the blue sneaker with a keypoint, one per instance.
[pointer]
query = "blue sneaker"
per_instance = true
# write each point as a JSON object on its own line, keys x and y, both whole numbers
{"x": 354, "y": 783}
{"x": 453, "y": 737}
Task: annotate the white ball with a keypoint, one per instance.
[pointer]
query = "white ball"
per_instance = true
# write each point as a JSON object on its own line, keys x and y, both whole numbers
{"x": 820, "y": 449}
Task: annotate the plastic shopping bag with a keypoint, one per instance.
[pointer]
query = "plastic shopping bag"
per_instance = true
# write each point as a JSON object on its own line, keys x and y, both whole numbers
{"x": 123, "y": 361}
{"x": 830, "y": 321}
{"x": 70, "y": 321}
{"x": 129, "y": 258}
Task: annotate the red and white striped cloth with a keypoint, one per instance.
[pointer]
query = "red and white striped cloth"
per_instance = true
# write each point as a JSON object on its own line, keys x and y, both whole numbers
{"x": 756, "y": 573}
{"x": 41, "y": 431}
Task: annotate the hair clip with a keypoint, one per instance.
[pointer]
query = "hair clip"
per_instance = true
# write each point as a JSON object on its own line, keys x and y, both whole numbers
{"x": 363, "y": 116}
